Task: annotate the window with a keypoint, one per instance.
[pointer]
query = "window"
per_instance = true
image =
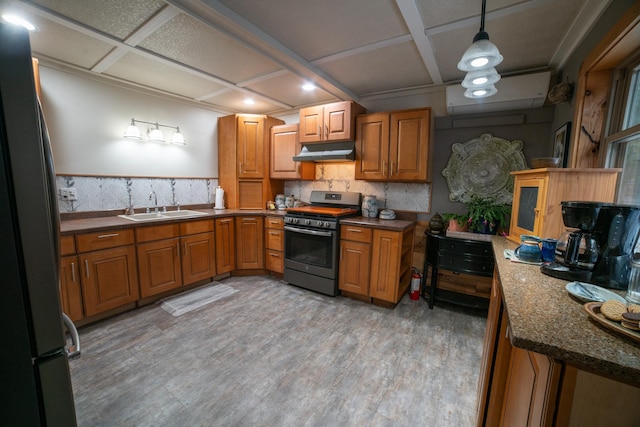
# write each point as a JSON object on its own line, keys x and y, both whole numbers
{"x": 624, "y": 140}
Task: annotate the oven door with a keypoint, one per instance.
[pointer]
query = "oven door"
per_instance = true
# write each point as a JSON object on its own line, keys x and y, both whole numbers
{"x": 311, "y": 251}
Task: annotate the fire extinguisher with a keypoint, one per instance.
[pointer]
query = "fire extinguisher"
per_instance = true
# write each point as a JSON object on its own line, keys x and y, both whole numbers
{"x": 416, "y": 279}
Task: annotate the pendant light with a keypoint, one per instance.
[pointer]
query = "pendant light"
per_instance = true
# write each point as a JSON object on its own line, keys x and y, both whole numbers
{"x": 480, "y": 60}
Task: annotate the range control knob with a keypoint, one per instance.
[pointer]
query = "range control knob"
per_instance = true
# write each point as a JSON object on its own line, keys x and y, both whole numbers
{"x": 307, "y": 222}
{"x": 326, "y": 225}
{"x": 294, "y": 220}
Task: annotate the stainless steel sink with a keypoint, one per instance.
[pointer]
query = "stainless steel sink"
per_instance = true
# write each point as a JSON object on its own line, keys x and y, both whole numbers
{"x": 162, "y": 215}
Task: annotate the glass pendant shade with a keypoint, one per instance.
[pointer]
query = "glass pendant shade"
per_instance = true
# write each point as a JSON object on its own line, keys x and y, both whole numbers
{"x": 132, "y": 132}
{"x": 480, "y": 78}
{"x": 177, "y": 138}
{"x": 156, "y": 135}
{"x": 482, "y": 92}
{"x": 481, "y": 54}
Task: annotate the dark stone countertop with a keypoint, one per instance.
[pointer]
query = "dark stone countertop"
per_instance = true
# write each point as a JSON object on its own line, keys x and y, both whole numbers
{"x": 546, "y": 319}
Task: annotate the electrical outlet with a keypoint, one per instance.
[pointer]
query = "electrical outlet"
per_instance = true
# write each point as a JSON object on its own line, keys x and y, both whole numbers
{"x": 68, "y": 194}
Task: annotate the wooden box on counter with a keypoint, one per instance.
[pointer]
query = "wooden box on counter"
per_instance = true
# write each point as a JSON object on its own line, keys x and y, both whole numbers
{"x": 537, "y": 194}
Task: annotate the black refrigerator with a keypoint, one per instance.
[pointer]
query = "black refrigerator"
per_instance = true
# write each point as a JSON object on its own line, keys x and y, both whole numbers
{"x": 34, "y": 370}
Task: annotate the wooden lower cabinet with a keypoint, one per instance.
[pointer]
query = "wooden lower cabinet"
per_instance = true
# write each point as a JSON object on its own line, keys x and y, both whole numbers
{"x": 375, "y": 263}
{"x": 391, "y": 254}
{"x": 274, "y": 244}
{"x": 225, "y": 245}
{"x": 109, "y": 279}
{"x": 70, "y": 289}
{"x": 198, "y": 257}
{"x": 159, "y": 266}
{"x": 249, "y": 243}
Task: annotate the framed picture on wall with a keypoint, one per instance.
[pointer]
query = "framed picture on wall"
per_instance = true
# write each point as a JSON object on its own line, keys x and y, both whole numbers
{"x": 561, "y": 144}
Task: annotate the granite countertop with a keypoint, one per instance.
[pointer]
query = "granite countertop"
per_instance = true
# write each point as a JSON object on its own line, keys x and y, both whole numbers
{"x": 544, "y": 318}
{"x": 82, "y": 224}
{"x": 384, "y": 224}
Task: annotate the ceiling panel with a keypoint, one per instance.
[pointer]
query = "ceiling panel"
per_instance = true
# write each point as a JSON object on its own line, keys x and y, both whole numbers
{"x": 380, "y": 70}
{"x": 288, "y": 89}
{"x": 435, "y": 13}
{"x": 191, "y": 42}
{"x": 315, "y": 29}
{"x": 118, "y": 18}
{"x": 233, "y": 100}
{"x": 66, "y": 45}
{"x": 150, "y": 73}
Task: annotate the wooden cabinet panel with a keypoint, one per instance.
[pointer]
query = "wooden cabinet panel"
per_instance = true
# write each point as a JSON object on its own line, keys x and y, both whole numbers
{"x": 198, "y": 257}
{"x": 159, "y": 266}
{"x": 537, "y": 195}
{"x": 109, "y": 278}
{"x": 225, "y": 245}
{"x": 274, "y": 244}
{"x": 70, "y": 289}
{"x": 409, "y": 145}
{"x": 249, "y": 243}
{"x": 196, "y": 227}
{"x": 243, "y": 160}
{"x": 355, "y": 233}
{"x": 67, "y": 245}
{"x": 102, "y": 240}
{"x": 355, "y": 265}
{"x": 274, "y": 261}
{"x": 274, "y": 239}
{"x": 394, "y": 146}
{"x": 284, "y": 145}
{"x": 157, "y": 232}
{"x": 385, "y": 265}
{"x": 329, "y": 122}
{"x": 251, "y": 146}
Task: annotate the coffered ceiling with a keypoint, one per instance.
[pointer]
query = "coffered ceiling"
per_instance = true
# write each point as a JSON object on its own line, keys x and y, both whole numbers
{"x": 220, "y": 52}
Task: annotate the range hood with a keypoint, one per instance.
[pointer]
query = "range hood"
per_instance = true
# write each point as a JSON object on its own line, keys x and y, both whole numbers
{"x": 327, "y": 152}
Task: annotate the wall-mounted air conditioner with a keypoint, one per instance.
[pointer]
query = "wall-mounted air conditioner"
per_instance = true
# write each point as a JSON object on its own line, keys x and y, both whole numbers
{"x": 514, "y": 93}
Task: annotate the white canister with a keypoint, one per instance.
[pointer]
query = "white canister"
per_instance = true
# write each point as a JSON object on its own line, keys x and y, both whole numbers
{"x": 370, "y": 206}
{"x": 280, "y": 201}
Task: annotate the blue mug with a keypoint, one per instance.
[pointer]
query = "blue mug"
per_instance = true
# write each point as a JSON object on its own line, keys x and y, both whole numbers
{"x": 529, "y": 251}
{"x": 549, "y": 250}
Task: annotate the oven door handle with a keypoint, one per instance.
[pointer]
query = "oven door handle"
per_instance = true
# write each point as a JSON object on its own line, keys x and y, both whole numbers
{"x": 307, "y": 231}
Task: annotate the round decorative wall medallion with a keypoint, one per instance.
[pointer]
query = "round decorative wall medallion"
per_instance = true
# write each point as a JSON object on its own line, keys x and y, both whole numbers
{"x": 482, "y": 167}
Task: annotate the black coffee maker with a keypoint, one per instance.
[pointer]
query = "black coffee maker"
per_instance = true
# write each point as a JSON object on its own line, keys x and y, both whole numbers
{"x": 598, "y": 245}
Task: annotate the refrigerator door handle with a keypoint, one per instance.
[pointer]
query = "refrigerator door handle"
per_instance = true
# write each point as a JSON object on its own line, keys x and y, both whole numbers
{"x": 74, "y": 349}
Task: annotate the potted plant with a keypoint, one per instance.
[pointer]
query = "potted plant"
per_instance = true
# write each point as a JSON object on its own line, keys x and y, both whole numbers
{"x": 457, "y": 222}
{"x": 485, "y": 214}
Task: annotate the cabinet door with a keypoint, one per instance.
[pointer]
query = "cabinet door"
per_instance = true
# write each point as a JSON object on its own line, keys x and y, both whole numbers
{"x": 337, "y": 121}
{"x": 249, "y": 243}
{"x": 528, "y": 207}
{"x": 284, "y": 146}
{"x": 225, "y": 245}
{"x": 311, "y": 124}
{"x": 109, "y": 279}
{"x": 385, "y": 265}
{"x": 250, "y": 143}
{"x": 159, "y": 266}
{"x": 354, "y": 267}
{"x": 70, "y": 290}
{"x": 408, "y": 145}
{"x": 372, "y": 147}
{"x": 198, "y": 257}
{"x": 274, "y": 261}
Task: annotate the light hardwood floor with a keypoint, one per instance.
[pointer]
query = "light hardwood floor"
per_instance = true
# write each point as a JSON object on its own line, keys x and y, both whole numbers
{"x": 276, "y": 355}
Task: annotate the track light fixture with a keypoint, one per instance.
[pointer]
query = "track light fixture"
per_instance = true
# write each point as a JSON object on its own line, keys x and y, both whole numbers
{"x": 154, "y": 133}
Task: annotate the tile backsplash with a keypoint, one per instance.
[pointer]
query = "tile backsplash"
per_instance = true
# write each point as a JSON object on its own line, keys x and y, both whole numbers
{"x": 109, "y": 193}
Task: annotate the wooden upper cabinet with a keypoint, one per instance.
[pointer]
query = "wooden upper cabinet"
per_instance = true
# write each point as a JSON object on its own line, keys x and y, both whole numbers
{"x": 394, "y": 146}
{"x": 36, "y": 77}
{"x": 329, "y": 122}
{"x": 284, "y": 145}
{"x": 251, "y": 147}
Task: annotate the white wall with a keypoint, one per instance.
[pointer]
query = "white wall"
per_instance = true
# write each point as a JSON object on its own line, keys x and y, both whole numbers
{"x": 87, "y": 118}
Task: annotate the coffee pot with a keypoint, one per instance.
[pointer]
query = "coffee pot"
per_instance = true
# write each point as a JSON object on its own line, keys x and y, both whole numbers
{"x": 577, "y": 249}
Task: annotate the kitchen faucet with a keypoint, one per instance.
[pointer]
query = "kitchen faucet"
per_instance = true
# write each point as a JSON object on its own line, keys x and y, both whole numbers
{"x": 155, "y": 200}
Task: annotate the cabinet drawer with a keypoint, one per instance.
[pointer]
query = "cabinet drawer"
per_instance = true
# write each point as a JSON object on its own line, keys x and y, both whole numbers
{"x": 274, "y": 239}
{"x": 275, "y": 223}
{"x": 274, "y": 261}
{"x": 464, "y": 263}
{"x": 464, "y": 283}
{"x": 355, "y": 233}
{"x": 67, "y": 245}
{"x": 157, "y": 232}
{"x": 195, "y": 227}
{"x": 466, "y": 247}
{"x": 106, "y": 239}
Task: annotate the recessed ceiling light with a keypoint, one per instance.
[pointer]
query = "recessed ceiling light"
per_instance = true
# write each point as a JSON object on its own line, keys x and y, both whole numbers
{"x": 308, "y": 86}
{"x": 16, "y": 20}
{"x": 249, "y": 101}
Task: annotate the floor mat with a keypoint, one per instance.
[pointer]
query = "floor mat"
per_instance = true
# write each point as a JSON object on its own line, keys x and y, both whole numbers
{"x": 197, "y": 298}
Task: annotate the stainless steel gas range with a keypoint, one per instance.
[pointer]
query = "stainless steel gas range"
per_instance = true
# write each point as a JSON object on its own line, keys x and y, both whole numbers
{"x": 312, "y": 239}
